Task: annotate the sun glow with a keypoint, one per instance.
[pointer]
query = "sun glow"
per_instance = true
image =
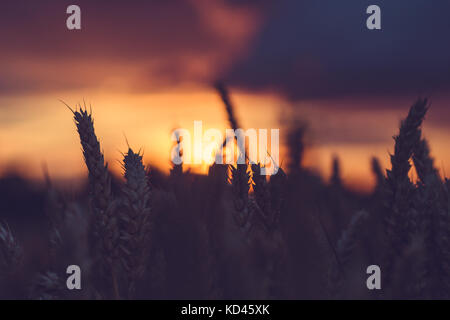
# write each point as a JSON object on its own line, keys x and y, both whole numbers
{"x": 39, "y": 130}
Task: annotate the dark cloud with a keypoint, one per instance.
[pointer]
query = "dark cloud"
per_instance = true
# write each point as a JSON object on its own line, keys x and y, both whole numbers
{"x": 302, "y": 49}
{"x": 317, "y": 49}
{"x": 110, "y": 29}
{"x": 138, "y": 38}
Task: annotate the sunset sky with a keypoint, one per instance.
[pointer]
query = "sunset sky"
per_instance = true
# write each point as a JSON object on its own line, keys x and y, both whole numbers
{"x": 148, "y": 67}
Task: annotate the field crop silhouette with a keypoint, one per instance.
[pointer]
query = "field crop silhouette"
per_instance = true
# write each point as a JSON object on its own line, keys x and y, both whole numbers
{"x": 233, "y": 233}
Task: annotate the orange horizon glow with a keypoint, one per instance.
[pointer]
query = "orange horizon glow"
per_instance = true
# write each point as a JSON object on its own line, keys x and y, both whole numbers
{"x": 42, "y": 131}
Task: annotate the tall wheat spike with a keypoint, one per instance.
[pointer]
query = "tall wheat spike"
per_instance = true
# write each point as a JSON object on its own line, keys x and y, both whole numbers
{"x": 399, "y": 188}
{"x": 103, "y": 203}
{"x": 225, "y": 96}
{"x": 135, "y": 219}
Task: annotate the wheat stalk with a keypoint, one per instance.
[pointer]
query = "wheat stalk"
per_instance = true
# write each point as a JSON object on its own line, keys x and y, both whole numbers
{"x": 399, "y": 189}
{"x": 102, "y": 200}
{"x": 270, "y": 196}
{"x": 135, "y": 220}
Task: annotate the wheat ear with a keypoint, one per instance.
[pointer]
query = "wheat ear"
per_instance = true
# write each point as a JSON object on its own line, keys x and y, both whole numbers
{"x": 240, "y": 186}
{"x": 399, "y": 189}
{"x": 135, "y": 220}
{"x": 102, "y": 200}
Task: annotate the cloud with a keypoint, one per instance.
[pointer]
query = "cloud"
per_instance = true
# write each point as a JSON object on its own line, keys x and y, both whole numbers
{"x": 322, "y": 49}
{"x": 298, "y": 49}
{"x": 141, "y": 44}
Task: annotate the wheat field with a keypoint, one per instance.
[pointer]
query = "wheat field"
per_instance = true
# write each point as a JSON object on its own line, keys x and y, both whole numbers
{"x": 232, "y": 234}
